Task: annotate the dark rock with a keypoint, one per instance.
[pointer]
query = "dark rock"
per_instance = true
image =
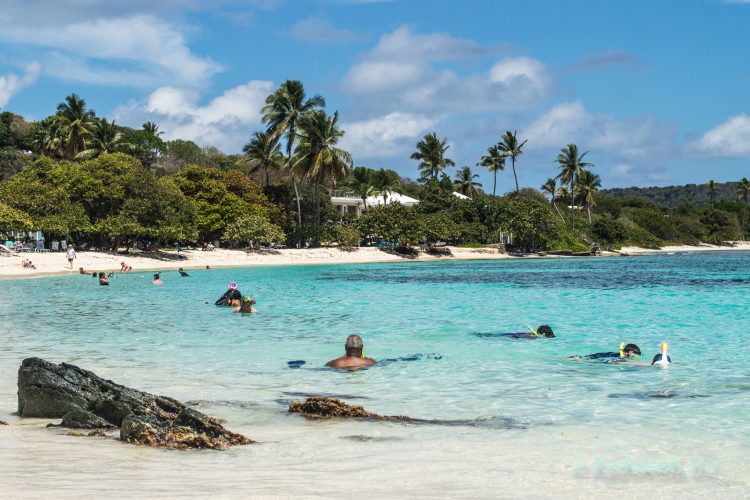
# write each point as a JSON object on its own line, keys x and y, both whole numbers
{"x": 86, "y": 401}
{"x": 317, "y": 407}
{"x": 3, "y": 422}
{"x": 439, "y": 251}
{"x": 82, "y": 419}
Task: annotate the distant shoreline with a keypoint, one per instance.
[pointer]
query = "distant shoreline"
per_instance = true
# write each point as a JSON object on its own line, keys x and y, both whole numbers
{"x": 55, "y": 263}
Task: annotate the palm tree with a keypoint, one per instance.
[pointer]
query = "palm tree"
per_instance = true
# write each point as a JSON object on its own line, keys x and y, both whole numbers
{"x": 494, "y": 160}
{"x": 104, "y": 138}
{"x": 431, "y": 154}
{"x": 49, "y": 136}
{"x": 510, "y": 147}
{"x": 550, "y": 189}
{"x": 360, "y": 183}
{"x": 385, "y": 182}
{"x": 743, "y": 190}
{"x": 152, "y": 128}
{"x": 263, "y": 152}
{"x": 465, "y": 183}
{"x": 712, "y": 191}
{"x": 282, "y": 112}
{"x": 317, "y": 158}
{"x": 77, "y": 118}
{"x": 587, "y": 184}
{"x": 571, "y": 164}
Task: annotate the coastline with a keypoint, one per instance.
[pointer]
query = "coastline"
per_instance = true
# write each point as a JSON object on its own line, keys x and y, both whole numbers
{"x": 55, "y": 263}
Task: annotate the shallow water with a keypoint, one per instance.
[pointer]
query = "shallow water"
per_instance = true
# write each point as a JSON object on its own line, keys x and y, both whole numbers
{"x": 524, "y": 421}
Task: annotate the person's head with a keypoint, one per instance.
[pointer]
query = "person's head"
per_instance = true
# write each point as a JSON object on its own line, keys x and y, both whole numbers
{"x": 246, "y": 304}
{"x": 208, "y": 268}
{"x": 101, "y": 275}
{"x": 545, "y": 331}
{"x": 354, "y": 346}
{"x": 80, "y": 270}
{"x": 181, "y": 270}
{"x": 156, "y": 276}
{"x": 631, "y": 351}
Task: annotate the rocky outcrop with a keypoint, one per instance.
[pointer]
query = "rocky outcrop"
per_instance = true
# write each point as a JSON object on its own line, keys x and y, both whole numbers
{"x": 317, "y": 407}
{"x": 87, "y": 401}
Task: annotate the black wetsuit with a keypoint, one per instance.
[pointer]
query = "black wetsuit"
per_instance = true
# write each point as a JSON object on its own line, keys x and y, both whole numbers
{"x": 228, "y": 295}
{"x": 184, "y": 274}
{"x": 604, "y": 357}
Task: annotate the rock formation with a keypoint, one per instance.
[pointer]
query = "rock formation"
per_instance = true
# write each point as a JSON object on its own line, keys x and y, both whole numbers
{"x": 87, "y": 401}
{"x": 317, "y": 407}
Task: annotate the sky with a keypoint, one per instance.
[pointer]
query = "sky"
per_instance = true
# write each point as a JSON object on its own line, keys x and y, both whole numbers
{"x": 657, "y": 91}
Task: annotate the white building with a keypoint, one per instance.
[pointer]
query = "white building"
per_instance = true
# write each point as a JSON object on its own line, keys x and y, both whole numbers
{"x": 351, "y": 203}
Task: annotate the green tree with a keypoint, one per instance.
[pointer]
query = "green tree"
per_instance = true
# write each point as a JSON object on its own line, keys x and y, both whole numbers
{"x": 317, "y": 157}
{"x": 77, "y": 118}
{"x": 494, "y": 161}
{"x": 48, "y": 136}
{"x": 152, "y": 128}
{"x": 465, "y": 183}
{"x": 147, "y": 147}
{"x": 254, "y": 228}
{"x": 712, "y": 191}
{"x": 263, "y": 152}
{"x": 282, "y": 112}
{"x": 608, "y": 229}
{"x": 720, "y": 225}
{"x": 743, "y": 191}
{"x": 587, "y": 185}
{"x": 395, "y": 223}
{"x": 359, "y": 182}
{"x": 104, "y": 138}
{"x": 571, "y": 164}
{"x": 549, "y": 188}
{"x": 431, "y": 155}
{"x": 12, "y": 219}
{"x": 384, "y": 182}
{"x": 510, "y": 146}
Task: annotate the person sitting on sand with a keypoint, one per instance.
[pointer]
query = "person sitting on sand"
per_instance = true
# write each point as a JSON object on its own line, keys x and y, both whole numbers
{"x": 542, "y": 332}
{"x": 183, "y": 273}
{"x": 627, "y": 352}
{"x": 124, "y": 267}
{"x": 246, "y": 305}
{"x": 28, "y": 264}
{"x": 103, "y": 280}
{"x": 354, "y": 359}
{"x": 157, "y": 280}
{"x": 82, "y": 271}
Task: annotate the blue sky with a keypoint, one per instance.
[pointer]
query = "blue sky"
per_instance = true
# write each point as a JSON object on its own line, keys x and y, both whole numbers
{"x": 658, "y": 91}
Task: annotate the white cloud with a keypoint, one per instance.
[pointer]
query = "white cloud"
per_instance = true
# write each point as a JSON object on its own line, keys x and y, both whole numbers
{"x": 12, "y": 84}
{"x": 400, "y": 74}
{"x": 642, "y": 138}
{"x": 156, "y": 49}
{"x": 731, "y": 138}
{"x": 320, "y": 29}
{"x": 225, "y": 122}
{"x": 386, "y": 136}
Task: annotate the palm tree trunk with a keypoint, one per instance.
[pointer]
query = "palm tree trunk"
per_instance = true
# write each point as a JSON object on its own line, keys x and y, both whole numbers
{"x": 514, "y": 173}
{"x": 572, "y": 203}
{"x": 266, "y": 170}
{"x": 588, "y": 211}
{"x": 557, "y": 209}
{"x": 296, "y": 193}
{"x": 494, "y": 184}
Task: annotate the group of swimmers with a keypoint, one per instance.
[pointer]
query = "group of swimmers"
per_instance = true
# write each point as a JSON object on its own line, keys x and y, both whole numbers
{"x": 354, "y": 357}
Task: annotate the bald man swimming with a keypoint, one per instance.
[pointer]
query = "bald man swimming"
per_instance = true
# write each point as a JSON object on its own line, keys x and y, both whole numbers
{"x": 353, "y": 359}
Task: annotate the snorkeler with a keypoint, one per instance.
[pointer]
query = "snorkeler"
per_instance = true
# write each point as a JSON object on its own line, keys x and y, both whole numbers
{"x": 543, "y": 331}
{"x": 103, "y": 280}
{"x": 662, "y": 358}
{"x": 626, "y": 352}
{"x": 354, "y": 359}
{"x": 246, "y": 305}
{"x": 183, "y": 273}
{"x": 157, "y": 280}
{"x": 232, "y": 293}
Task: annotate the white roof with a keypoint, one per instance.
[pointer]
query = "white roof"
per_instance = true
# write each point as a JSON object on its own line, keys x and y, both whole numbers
{"x": 459, "y": 195}
{"x": 392, "y": 198}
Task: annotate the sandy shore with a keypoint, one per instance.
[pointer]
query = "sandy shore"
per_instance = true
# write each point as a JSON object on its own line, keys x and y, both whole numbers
{"x": 48, "y": 263}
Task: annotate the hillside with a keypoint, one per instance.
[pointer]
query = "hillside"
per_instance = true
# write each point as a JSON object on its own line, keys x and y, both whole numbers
{"x": 674, "y": 196}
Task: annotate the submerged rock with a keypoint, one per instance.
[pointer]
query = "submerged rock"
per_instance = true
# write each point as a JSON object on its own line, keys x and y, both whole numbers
{"x": 87, "y": 401}
{"x": 3, "y": 422}
{"x": 317, "y": 407}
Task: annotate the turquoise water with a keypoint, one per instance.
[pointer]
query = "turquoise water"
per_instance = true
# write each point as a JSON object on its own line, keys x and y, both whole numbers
{"x": 173, "y": 341}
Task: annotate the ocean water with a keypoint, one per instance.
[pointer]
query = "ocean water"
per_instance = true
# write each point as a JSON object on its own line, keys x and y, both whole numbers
{"x": 516, "y": 418}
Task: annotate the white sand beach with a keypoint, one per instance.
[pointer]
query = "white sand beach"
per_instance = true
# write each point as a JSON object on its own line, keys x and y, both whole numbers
{"x": 48, "y": 263}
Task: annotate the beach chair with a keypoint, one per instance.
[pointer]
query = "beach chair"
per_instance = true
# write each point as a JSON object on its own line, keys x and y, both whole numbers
{"x": 40, "y": 246}
{"x": 64, "y": 245}
{"x": 55, "y": 246}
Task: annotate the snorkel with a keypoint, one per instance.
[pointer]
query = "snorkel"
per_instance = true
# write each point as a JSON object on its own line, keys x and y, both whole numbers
{"x": 622, "y": 349}
{"x": 663, "y": 358}
{"x": 533, "y": 332}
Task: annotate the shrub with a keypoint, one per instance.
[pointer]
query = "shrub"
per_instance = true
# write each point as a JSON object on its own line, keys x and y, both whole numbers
{"x": 347, "y": 236}
{"x": 608, "y": 230}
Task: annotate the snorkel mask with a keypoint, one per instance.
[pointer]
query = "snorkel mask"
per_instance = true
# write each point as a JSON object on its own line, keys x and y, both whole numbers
{"x": 662, "y": 358}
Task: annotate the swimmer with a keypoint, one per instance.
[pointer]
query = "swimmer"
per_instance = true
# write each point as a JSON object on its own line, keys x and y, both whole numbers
{"x": 354, "y": 359}
{"x": 627, "y": 351}
{"x": 208, "y": 268}
{"x": 157, "y": 280}
{"x": 103, "y": 280}
{"x": 232, "y": 293}
{"x": 183, "y": 273}
{"x": 82, "y": 271}
{"x": 246, "y": 305}
{"x": 543, "y": 331}
{"x": 662, "y": 358}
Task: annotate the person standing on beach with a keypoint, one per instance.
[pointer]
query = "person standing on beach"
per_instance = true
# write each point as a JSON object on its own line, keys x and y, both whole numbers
{"x": 354, "y": 357}
{"x": 71, "y": 255}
